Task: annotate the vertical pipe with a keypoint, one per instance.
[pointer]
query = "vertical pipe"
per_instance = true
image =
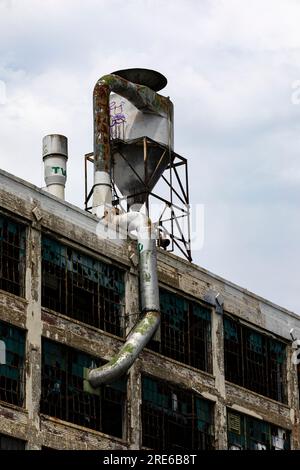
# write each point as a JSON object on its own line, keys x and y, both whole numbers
{"x": 146, "y": 327}
{"x": 55, "y": 156}
{"x": 102, "y": 159}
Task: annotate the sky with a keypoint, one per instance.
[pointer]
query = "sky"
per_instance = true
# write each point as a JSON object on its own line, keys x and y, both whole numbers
{"x": 233, "y": 70}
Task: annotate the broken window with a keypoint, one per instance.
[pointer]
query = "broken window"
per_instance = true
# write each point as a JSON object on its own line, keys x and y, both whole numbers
{"x": 12, "y": 256}
{"x": 11, "y": 443}
{"x": 185, "y": 331}
{"x": 65, "y": 395}
{"x": 254, "y": 360}
{"x": 174, "y": 418}
{"x": 247, "y": 433}
{"x": 12, "y": 371}
{"x": 82, "y": 287}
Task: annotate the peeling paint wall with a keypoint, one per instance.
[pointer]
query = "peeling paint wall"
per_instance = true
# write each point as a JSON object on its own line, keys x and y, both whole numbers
{"x": 43, "y": 213}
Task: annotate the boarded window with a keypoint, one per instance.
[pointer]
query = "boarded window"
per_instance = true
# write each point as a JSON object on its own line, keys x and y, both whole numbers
{"x": 12, "y": 372}
{"x": 82, "y": 287}
{"x": 247, "y": 433}
{"x": 11, "y": 443}
{"x": 64, "y": 396}
{"x": 185, "y": 332}
{"x": 254, "y": 360}
{"x": 12, "y": 256}
{"x": 174, "y": 418}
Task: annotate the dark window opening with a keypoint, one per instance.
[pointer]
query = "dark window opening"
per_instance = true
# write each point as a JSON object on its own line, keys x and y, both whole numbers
{"x": 12, "y": 382}
{"x": 185, "y": 331}
{"x": 12, "y": 256}
{"x": 81, "y": 287}
{"x": 11, "y": 443}
{"x": 64, "y": 395}
{"x": 254, "y": 360}
{"x": 247, "y": 433}
{"x": 174, "y": 418}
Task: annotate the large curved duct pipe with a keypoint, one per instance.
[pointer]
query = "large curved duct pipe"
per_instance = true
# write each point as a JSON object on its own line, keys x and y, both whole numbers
{"x": 146, "y": 100}
{"x": 143, "y": 98}
{"x": 144, "y": 330}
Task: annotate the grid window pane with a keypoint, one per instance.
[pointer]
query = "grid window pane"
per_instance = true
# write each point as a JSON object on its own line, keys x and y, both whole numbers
{"x": 247, "y": 433}
{"x": 12, "y": 256}
{"x": 12, "y": 372}
{"x": 64, "y": 396}
{"x": 185, "y": 331}
{"x": 174, "y": 418}
{"x": 254, "y": 360}
{"x": 82, "y": 287}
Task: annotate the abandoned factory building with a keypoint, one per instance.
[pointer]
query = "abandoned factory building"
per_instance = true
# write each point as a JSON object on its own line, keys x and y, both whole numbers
{"x": 214, "y": 376}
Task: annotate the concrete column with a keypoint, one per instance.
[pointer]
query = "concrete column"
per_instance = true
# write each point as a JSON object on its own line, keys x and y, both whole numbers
{"x": 34, "y": 331}
{"x": 132, "y": 313}
{"x": 134, "y": 402}
{"x": 132, "y": 308}
{"x": 293, "y": 399}
{"x": 218, "y": 371}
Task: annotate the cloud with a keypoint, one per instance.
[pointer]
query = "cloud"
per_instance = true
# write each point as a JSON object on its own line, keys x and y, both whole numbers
{"x": 230, "y": 67}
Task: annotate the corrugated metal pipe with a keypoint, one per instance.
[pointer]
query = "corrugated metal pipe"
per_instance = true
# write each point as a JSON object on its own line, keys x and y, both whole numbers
{"x": 145, "y": 328}
{"x": 143, "y": 98}
{"x": 147, "y": 100}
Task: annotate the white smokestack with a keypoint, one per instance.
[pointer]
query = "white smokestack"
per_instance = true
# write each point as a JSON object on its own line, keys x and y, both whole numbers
{"x": 55, "y": 156}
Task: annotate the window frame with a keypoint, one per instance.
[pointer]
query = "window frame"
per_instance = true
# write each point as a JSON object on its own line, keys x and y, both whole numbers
{"x": 70, "y": 399}
{"x": 245, "y": 367}
{"x": 252, "y": 442}
{"x": 164, "y": 426}
{"x": 23, "y": 228}
{"x": 18, "y": 396}
{"x": 100, "y": 315}
{"x": 187, "y": 353}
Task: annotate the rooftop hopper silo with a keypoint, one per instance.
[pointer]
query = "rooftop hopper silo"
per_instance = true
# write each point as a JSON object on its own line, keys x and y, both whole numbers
{"x": 135, "y": 171}
{"x": 133, "y": 151}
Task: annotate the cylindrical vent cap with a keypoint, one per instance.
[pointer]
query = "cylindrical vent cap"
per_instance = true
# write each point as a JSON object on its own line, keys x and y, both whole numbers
{"x": 55, "y": 144}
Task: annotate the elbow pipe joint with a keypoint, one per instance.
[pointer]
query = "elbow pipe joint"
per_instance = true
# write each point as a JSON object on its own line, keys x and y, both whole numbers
{"x": 123, "y": 360}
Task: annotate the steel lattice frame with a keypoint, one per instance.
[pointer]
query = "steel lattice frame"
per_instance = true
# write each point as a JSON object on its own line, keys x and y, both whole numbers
{"x": 174, "y": 219}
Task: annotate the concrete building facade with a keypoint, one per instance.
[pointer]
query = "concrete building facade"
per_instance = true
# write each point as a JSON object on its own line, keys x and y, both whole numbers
{"x": 216, "y": 375}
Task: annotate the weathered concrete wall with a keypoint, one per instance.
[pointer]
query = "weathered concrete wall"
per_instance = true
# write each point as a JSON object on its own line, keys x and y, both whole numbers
{"x": 42, "y": 212}
{"x": 33, "y": 338}
{"x": 218, "y": 369}
{"x": 13, "y": 309}
{"x": 55, "y": 434}
{"x": 197, "y": 282}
